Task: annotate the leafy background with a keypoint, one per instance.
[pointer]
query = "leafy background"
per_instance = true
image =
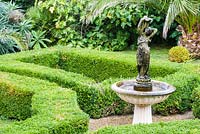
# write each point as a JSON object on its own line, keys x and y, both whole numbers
{"x": 61, "y": 22}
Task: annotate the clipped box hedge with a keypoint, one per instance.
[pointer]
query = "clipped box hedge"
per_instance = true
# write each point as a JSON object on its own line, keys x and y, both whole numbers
{"x": 95, "y": 64}
{"x": 97, "y": 71}
{"x": 196, "y": 102}
{"x": 55, "y": 109}
{"x": 97, "y": 99}
{"x": 175, "y": 127}
{"x": 93, "y": 98}
{"x": 14, "y": 103}
{"x": 180, "y": 101}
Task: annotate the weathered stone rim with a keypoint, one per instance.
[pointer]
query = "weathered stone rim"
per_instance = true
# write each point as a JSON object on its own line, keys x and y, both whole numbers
{"x": 166, "y": 88}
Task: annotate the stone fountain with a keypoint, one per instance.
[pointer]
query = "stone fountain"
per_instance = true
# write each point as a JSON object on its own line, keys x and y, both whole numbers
{"x": 143, "y": 92}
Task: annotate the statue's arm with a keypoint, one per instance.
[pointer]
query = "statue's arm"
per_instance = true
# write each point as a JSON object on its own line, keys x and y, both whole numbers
{"x": 153, "y": 33}
{"x": 141, "y": 26}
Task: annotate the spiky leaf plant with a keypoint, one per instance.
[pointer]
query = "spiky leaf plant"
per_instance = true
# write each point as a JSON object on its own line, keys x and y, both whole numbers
{"x": 10, "y": 40}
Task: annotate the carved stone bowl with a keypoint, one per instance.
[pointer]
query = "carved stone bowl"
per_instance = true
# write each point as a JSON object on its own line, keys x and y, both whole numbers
{"x": 142, "y": 100}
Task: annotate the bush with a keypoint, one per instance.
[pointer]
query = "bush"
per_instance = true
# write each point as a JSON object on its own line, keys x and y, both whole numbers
{"x": 114, "y": 30}
{"x": 92, "y": 97}
{"x": 196, "y": 102}
{"x": 10, "y": 40}
{"x": 61, "y": 20}
{"x": 175, "y": 127}
{"x": 99, "y": 100}
{"x": 23, "y": 3}
{"x": 96, "y": 64}
{"x": 180, "y": 101}
{"x": 55, "y": 109}
{"x": 96, "y": 99}
{"x": 179, "y": 54}
{"x": 14, "y": 103}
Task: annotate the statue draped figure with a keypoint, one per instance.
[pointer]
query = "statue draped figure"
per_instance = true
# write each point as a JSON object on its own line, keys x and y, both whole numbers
{"x": 143, "y": 52}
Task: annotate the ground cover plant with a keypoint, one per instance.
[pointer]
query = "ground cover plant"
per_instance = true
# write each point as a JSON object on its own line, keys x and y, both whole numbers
{"x": 89, "y": 73}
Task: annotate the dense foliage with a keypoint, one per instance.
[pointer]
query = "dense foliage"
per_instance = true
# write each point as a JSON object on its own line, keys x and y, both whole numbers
{"x": 196, "y": 102}
{"x": 16, "y": 33}
{"x": 180, "y": 101}
{"x": 22, "y": 3}
{"x": 10, "y": 40}
{"x": 114, "y": 30}
{"x": 60, "y": 19}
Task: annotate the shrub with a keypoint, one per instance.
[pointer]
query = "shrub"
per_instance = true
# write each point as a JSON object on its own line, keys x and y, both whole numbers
{"x": 97, "y": 99}
{"x": 179, "y": 54}
{"x": 14, "y": 103}
{"x": 61, "y": 20}
{"x": 92, "y": 97}
{"x": 23, "y": 3}
{"x": 175, "y": 127}
{"x": 196, "y": 102}
{"x": 115, "y": 30}
{"x": 180, "y": 101}
{"x": 10, "y": 40}
{"x": 55, "y": 109}
{"x": 93, "y": 63}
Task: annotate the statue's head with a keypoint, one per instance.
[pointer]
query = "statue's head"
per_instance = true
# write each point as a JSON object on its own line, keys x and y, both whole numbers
{"x": 148, "y": 31}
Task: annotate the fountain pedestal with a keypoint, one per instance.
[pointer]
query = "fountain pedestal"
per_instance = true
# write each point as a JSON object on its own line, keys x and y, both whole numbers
{"x": 142, "y": 100}
{"x": 142, "y": 114}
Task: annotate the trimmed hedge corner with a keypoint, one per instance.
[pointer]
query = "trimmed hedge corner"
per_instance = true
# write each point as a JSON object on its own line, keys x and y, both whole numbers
{"x": 55, "y": 109}
{"x": 14, "y": 103}
{"x": 196, "y": 102}
{"x": 180, "y": 101}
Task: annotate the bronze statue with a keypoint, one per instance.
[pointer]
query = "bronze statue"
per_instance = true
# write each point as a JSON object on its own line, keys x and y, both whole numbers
{"x": 143, "y": 54}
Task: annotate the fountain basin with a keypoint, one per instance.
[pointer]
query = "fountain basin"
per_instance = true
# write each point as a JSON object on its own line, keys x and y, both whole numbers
{"x": 142, "y": 99}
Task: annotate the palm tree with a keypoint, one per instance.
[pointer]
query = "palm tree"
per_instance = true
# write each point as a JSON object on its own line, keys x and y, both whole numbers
{"x": 185, "y": 12}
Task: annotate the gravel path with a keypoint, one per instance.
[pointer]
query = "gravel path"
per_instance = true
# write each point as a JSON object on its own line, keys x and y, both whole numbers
{"x": 95, "y": 124}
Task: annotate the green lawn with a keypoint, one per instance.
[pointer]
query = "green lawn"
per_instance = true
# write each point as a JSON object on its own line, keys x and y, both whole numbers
{"x": 156, "y": 54}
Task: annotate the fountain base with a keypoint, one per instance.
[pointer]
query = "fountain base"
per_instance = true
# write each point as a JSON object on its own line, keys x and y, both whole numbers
{"x": 142, "y": 114}
{"x": 142, "y": 100}
{"x": 143, "y": 85}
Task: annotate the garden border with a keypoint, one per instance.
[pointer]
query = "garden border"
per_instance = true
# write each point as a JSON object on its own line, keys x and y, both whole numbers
{"x": 91, "y": 95}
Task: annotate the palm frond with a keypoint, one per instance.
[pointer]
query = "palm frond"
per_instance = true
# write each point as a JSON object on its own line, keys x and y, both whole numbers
{"x": 179, "y": 7}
